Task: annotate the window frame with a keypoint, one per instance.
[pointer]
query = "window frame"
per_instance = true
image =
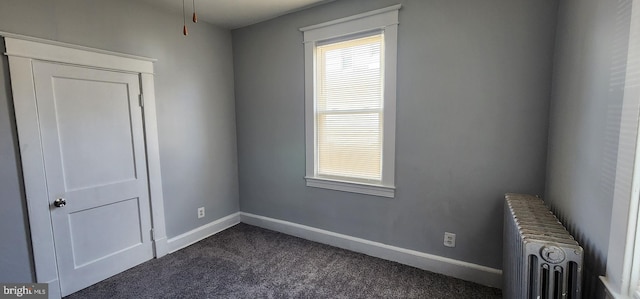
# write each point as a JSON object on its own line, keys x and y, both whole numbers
{"x": 385, "y": 20}
{"x": 622, "y": 280}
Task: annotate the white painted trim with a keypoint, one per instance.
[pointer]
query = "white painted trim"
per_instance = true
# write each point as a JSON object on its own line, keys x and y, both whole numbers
{"x": 153, "y": 163}
{"x": 389, "y": 122}
{"x": 623, "y": 256}
{"x": 22, "y": 51}
{"x": 374, "y": 19}
{"x": 450, "y": 267}
{"x": 54, "y": 289}
{"x": 193, "y": 236}
{"x": 353, "y": 187}
{"x": 387, "y": 20}
{"x": 24, "y": 103}
{"x": 160, "y": 245}
{"x": 309, "y": 109}
{"x": 41, "y": 49}
{"x": 611, "y": 292}
{"x": 72, "y": 46}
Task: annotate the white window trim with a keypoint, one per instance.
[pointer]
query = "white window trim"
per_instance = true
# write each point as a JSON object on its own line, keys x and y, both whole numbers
{"x": 622, "y": 280}
{"x": 385, "y": 19}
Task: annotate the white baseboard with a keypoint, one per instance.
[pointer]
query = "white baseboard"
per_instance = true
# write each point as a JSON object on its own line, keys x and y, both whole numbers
{"x": 178, "y": 242}
{"x": 450, "y": 267}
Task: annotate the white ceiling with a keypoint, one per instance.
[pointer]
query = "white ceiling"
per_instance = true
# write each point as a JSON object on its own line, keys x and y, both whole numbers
{"x": 235, "y": 13}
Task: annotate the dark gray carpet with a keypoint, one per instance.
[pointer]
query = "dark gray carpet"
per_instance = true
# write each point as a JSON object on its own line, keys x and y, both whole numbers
{"x": 250, "y": 262}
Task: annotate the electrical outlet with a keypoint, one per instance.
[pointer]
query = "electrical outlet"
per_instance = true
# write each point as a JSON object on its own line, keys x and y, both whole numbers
{"x": 449, "y": 239}
{"x": 200, "y": 212}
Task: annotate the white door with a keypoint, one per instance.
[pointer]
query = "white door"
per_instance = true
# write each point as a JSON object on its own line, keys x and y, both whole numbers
{"x": 94, "y": 157}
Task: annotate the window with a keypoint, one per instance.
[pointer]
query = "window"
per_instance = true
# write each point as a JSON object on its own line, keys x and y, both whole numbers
{"x": 348, "y": 114}
{"x": 622, "y": 279}
{"x": 350, "y": 96}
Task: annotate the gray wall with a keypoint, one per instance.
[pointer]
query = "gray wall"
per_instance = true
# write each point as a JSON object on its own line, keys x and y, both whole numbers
{"x": 15, "y": 255}
{"x": 194, "y": 94}
{"x": 473, "y": 100}
{"x": 590, "y": 58}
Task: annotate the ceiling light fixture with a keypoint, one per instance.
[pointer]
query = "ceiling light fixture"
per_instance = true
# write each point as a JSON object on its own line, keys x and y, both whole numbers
{"x": 185, "y": 31}
{"x": 195, "y": 16}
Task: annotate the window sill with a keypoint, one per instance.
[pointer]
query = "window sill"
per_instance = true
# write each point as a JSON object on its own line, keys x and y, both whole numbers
{"x": 376, "y": 190}
{"x": 612, "y": 293}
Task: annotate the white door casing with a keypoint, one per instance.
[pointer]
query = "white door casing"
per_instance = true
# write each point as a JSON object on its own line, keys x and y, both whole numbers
{"x": 27, "y": 54}
{"x": 92, "y": 140}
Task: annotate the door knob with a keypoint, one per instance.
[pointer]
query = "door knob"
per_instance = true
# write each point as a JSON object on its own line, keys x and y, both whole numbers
{"x": 60, "y": 202}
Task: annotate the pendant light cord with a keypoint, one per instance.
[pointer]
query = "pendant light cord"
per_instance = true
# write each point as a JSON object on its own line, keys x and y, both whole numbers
{"x": 184, "y": 20}
{"x": 195, "y": 16}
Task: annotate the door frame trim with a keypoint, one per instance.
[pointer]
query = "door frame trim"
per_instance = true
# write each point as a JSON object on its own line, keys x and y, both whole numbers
{"x": 22, "y": 51}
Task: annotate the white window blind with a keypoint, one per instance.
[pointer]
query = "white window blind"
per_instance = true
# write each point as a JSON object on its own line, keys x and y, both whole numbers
{"x": 350, "y": 102}
{"x": 350, "y": 109}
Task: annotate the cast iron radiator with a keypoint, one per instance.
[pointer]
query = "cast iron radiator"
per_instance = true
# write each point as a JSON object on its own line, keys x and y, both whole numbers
{"x": 541, "y": 260}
